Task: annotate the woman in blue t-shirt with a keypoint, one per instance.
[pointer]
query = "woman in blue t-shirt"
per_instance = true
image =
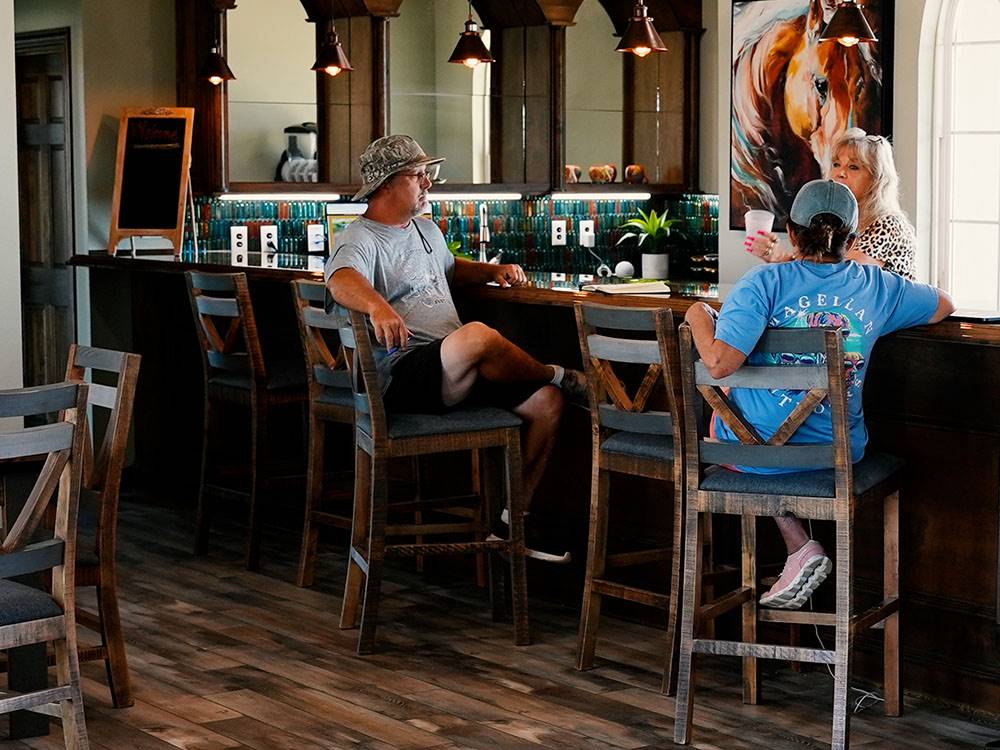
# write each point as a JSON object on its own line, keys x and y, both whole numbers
{"x": 817, "y": 288}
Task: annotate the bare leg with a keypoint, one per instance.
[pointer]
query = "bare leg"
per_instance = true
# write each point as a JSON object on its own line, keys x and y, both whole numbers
{"x": 541, "y": 414}
{"x": 793, "y": 532}
{"x": 476, "y": 350}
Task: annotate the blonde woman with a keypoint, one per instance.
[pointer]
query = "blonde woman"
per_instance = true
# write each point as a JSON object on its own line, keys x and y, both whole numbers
{"x": 886, "y": 238}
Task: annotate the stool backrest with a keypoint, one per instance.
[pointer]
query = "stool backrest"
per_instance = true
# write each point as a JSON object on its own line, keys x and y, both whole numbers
{"x": 61, "y": 444}
{"x": 326, "y": 362}
{"x": 807, "y": 360}
{"x": 102, "y": 471}
{"x": 615, "y": 336}
{"x": 364, "y": 376}
{"x": 224, "y": 299}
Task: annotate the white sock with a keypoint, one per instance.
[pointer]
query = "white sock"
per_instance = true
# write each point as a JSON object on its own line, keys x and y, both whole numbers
{"x": 558, "y": 377}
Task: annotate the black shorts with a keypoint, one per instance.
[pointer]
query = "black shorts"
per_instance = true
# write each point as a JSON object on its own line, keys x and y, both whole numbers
{"x": 416, "y": 386}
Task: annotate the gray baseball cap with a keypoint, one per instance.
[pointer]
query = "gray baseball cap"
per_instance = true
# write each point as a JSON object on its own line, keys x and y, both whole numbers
{"x": 824, "y": 197}
{"x": 387, "y": 156}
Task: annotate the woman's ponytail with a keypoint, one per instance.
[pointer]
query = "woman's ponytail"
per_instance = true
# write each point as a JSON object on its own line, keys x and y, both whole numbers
{"x": 825, "y": 236}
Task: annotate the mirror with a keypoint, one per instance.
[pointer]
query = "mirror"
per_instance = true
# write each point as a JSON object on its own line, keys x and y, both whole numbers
{"x": 271, "y": 49}
{"x": 622, "y": 109}
{"x": 445, "y": 106}
{"x": 593, "y": 92}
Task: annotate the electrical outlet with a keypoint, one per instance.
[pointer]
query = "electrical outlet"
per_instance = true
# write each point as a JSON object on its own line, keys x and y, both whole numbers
{"x": 587, "y": 238}
{"x": 315, "y": 239}
{"x": 269, "y": 246}
{"x": 238, "y": 245}
{"x": 558, "y": 232}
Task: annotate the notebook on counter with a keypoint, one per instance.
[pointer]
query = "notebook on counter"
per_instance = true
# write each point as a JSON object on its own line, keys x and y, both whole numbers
{"x": 641, "y": 287}
{"x": 976, "y": 316}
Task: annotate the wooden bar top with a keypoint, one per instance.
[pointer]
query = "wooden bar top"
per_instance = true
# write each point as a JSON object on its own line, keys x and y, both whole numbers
{"x": 542, "y": 291}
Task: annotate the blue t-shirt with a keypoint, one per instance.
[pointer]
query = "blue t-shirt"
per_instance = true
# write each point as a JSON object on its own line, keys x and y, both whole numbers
{"x": 864, "y": 301}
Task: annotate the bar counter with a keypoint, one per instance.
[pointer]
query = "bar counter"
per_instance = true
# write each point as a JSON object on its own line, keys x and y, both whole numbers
{"x": 931, "y": 396}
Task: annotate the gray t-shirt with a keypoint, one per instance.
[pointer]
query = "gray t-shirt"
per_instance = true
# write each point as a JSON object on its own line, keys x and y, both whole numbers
{"x": 411, "y": 268}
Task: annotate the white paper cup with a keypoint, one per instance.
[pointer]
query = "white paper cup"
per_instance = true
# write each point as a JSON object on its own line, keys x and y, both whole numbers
{"x": 758, "y": 220}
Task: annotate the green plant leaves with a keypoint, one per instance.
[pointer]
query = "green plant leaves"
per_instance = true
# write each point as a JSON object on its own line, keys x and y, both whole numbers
{"x": 651, "y": 225}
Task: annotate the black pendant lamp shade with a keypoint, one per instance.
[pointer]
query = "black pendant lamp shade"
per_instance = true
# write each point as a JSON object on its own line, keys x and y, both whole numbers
{"x": 215, "y": 69}
{"x": 640, "y": 37}
{"x": 848, "y": 26}
{"x": 470, "y": 50}
{"x": 332, "y": 59}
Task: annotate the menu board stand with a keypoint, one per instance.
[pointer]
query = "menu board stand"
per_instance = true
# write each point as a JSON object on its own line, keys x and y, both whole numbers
{"x": 152, "y": 175}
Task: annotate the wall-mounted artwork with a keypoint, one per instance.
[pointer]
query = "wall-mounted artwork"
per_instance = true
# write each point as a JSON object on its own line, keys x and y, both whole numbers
{"x": 792, "y": 95}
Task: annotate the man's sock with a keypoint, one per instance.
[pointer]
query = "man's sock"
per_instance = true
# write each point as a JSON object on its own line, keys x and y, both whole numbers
{"x": 558, "y": 377}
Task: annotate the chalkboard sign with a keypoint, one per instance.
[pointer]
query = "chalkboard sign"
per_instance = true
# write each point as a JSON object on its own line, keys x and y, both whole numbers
{"x": 151, "y": 175}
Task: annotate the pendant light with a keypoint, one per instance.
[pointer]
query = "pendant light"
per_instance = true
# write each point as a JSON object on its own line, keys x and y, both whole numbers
{"x": 215, "y": 69}
{"x": 848, "y": 26}
{"x": 640, "y": 37}
{"x": 470, "y": 50}
{"x": 332, "y": 59}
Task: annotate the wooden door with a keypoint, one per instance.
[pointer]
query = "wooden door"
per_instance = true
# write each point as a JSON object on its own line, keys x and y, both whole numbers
{"x": 45, "y": 176}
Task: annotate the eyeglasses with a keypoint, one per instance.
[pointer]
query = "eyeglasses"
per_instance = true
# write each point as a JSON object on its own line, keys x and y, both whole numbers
{"x": 430, "y": 173}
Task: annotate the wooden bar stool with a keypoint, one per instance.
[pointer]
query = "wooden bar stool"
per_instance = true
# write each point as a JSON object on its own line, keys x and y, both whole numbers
{"x": 631, "y": 437}
{"x": 236, "y": 373}
{"x": 96, "y": 563}
{"x": 30, "y": 615}
{"x": 330, "y": 400}
{"x": 833, "y": 494}
{"x": 380, "y": 437}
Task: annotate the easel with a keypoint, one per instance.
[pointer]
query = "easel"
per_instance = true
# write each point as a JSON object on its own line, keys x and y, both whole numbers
{"x": 152, "y": 176}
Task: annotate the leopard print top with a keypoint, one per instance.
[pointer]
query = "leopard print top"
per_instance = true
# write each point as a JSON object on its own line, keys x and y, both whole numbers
{"x": 890, "y": 239}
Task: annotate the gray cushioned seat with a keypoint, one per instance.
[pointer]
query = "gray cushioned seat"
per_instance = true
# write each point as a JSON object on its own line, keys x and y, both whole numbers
{"x": 281, "y": 374}
{"x": 459, "y": 420}
{"x": 337, "y": 397}
{"x": 638, "y": 444}
{"x": 868, "y": 472}
{"x": 20, "y": 603}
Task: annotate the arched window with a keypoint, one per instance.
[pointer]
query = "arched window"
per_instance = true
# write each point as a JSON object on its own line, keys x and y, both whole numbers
{"x": 968, "y": 175}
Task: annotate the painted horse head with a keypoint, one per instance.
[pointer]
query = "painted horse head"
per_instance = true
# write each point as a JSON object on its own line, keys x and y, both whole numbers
{"x": 792, "y": 96}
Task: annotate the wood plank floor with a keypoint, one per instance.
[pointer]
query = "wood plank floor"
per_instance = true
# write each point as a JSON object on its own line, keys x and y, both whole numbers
{"x": 223, "y": 658}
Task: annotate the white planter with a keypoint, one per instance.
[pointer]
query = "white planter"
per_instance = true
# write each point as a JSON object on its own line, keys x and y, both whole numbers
{"x": 655, "y": 266}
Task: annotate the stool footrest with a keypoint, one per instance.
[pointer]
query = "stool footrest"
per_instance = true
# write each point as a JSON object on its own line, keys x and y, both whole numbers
{"x": 868, "y": 618}
{"x": 442, "y": 504}
{"x": 719, "y": 573}
{"x": 446, "y": 548}
{"x": 640, "y": 557}
{"x": 725, "y": 603}
{"x": 797, "y": 617}
{"x": 92, "y": 653}
{"x": 331, "y": 519}
{"x": 631, "y": 593}
{"x": 764, "y": 651}
{"x": 89, "y": 620}
{"x": 413, "y": 529}
{"x": 34, "y": 700}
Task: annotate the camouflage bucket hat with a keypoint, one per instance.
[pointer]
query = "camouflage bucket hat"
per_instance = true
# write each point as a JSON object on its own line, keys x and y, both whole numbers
{"x": 387, "y": 156}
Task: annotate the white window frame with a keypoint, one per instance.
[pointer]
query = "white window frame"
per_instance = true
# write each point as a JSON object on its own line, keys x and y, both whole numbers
{"x": 941, "y": 250}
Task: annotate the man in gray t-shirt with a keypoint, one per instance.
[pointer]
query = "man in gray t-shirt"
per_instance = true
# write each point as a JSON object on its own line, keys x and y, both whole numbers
{"x": 394, "y": 266}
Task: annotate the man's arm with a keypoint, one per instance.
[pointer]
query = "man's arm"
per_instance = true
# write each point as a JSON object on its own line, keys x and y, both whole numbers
{"x": 352, "y": 290}
{"x": 470, "y": 272}
{"x": 720, "y": 358}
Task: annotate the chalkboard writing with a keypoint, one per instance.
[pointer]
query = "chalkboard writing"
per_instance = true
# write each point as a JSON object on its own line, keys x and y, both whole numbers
{"x": 151, "y": 179}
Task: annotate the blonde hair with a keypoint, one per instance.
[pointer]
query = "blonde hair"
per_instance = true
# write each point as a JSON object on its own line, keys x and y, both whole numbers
{"x": 875, "y": 154}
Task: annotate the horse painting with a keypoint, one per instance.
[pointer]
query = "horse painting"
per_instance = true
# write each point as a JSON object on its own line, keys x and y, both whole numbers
{"x": 792, "y": 96}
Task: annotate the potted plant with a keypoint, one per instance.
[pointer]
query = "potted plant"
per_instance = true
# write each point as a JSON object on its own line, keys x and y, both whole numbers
{"x": 652, "y": 229}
